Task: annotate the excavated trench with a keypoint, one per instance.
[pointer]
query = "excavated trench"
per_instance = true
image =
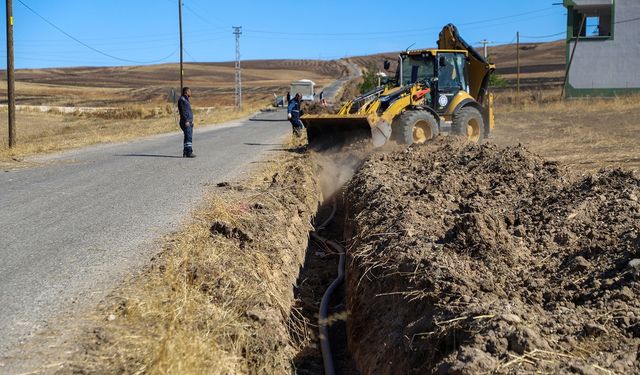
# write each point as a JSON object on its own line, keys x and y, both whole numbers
{"x": 465, "y": 259}
{"x": 321, "y": 267}
{"x": 324, "y": 349}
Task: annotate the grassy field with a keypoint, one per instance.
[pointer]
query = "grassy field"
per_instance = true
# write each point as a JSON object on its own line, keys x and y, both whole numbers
{"x": 212, "y": 83}
{"x": 120, "y": 103}
{"x": 584, "y": 134}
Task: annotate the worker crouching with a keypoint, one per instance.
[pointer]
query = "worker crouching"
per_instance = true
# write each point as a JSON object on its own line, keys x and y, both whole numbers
{"x": 294, "y": 113}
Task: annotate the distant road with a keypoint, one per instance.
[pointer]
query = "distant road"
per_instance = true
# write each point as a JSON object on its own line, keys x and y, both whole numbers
{"x": 331, "y": 91}
{"x": 71, "y": 229}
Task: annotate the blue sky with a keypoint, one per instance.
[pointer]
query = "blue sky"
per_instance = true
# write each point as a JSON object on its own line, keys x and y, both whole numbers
{"x": 134, "y": 32}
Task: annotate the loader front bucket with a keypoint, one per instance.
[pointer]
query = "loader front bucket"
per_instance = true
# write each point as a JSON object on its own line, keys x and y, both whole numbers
{"x": 326, "y": 132}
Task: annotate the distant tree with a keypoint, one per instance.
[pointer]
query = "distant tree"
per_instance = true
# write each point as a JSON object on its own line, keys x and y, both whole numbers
{"x": 369, "y": 79}
{"x": 496, "y": 80}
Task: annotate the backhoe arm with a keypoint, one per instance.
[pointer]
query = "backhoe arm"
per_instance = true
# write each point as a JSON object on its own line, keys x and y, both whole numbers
{"x": 480, "y": 69}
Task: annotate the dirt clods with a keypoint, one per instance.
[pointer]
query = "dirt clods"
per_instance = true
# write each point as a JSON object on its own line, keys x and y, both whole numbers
{"x": 469, "y": 259}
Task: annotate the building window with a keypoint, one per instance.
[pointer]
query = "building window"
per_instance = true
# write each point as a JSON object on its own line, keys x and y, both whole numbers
{"x": 598, "y": 21}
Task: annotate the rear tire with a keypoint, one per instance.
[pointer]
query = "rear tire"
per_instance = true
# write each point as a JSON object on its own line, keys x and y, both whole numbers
{"x": 414, "y": 127}
{"x": 468, "y": 122}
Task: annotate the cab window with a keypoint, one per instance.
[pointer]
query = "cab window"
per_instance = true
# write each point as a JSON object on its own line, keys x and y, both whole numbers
{"x": 417, "y": 68}
{"x": 451, "y": 68}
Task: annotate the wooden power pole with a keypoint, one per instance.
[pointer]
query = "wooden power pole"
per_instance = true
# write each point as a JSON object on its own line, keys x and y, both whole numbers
{"x": 573, "y": 53}
{"x": 11, "y": 95}
{"x": 518, "y": 67}
{"x": 181, "y": 48}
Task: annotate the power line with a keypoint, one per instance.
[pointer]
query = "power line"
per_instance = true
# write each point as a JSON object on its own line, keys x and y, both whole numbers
{"x": 400, "y": 31}
{"x": 629, "y": 20}
{"x": 205, "y": 20}
{"x": 543, "y": 36}
{"x": 347, "y": 37}
{"x": 88, "y": 46}
{"x": 188, "y": 54}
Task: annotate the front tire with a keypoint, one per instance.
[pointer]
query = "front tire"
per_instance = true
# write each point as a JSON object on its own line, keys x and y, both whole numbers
{"x": 468, "y": 122}
{"x": 415, "y": 127}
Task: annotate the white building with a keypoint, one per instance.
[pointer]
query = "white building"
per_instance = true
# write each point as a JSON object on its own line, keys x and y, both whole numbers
{"x": 605, "y": 62}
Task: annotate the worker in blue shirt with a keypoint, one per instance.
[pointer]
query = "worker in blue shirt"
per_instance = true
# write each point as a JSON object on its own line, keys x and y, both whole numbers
{"x": 294, "y": 113}
{"x": 186, "y": 122}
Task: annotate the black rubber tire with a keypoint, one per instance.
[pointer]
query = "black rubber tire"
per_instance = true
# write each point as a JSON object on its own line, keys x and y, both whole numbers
{"x": 403, "y": 127}
{"x": 468, "y": 122}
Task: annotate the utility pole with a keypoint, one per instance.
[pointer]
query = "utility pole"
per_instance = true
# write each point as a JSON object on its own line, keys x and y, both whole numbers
{"x": 484, "y": 43}
{"x": 237, "y": 31}
{"x": 573, "y": 52}
{"x": 10, "y": 76}
{"x": 181, "y": 48}
{"x": 518, "y": 66}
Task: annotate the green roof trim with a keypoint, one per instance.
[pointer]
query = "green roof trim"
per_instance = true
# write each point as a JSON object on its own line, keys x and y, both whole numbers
{"x": 572, "y": 92}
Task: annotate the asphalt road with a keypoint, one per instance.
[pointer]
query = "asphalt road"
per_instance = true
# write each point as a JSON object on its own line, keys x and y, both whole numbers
{"x": 331, "y": 91}
{"x": 71, "y": 230}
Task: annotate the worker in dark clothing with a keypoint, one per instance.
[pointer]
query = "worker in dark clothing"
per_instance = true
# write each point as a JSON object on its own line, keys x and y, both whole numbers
{"x": 186, "y": 122}
{"x": 294, "y": 113}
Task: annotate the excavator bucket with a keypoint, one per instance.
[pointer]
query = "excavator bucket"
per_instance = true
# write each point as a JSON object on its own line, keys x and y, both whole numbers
{"x": 336, "y": 131}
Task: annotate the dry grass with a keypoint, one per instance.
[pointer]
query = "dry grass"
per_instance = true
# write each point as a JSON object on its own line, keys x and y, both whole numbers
{"x": 121, "y": 103}
{"x": 215, "y": 303}
{"x": 586, "y": 134}
{"x": 42, "y": 132}
{"x": 212, "y": 83}
{"x": 550, "y": 100}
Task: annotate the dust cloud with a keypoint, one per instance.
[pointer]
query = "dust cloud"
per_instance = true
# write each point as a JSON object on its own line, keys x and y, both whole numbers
{"x": 335, "y": 170}
{"x": 336, "y": 167}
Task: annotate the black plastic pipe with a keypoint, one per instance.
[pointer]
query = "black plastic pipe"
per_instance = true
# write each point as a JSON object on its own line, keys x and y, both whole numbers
{"x": 323, "y": 324}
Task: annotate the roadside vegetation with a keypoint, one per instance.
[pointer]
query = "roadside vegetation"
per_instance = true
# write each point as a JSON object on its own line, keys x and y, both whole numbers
{"x": 219, "y": 297}
{"x": 587, "y": 134}
{"x": 369, "y": 79}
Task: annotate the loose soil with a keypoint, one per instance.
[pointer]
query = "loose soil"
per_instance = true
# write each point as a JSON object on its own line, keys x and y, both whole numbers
{"x": 467, "y": 259}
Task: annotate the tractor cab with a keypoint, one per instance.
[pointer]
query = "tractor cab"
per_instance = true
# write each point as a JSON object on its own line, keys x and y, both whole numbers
{"x": 443, "y": 71}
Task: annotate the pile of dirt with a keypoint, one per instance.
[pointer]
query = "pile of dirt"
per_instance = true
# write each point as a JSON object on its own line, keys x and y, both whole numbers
{"x": 315, "y": 108}
{"x": 469, "y": 259}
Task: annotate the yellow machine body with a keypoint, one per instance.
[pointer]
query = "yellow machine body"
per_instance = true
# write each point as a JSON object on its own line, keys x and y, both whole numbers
{"x": 378, "y": 113}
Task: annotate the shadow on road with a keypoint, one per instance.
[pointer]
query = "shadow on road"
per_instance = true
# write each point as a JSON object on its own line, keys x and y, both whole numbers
{"x": 262, "y": 144}
{"x": 267, "y": 119}
{"x": 150, "y": 156}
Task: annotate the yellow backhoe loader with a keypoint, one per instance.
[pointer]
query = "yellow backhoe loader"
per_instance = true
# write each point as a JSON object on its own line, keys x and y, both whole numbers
{"x": 433, "y": 88}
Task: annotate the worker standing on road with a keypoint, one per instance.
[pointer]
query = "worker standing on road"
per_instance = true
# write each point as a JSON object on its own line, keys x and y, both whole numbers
{"x": 186, "y": 122}
{"x": 294, "y": 113}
